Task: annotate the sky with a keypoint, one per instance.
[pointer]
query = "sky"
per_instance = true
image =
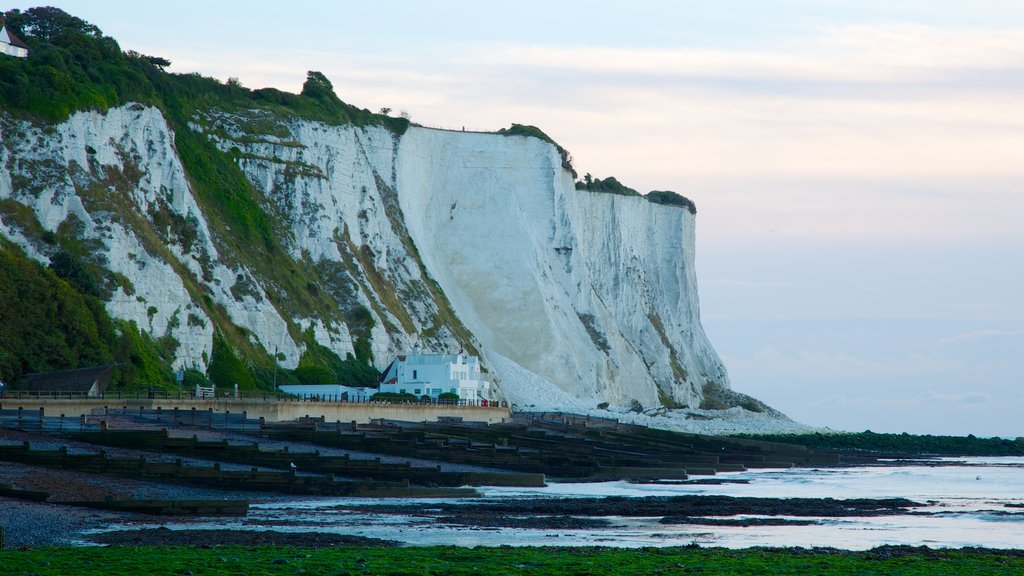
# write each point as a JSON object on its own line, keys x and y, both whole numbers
{"x": 856, "y": 165}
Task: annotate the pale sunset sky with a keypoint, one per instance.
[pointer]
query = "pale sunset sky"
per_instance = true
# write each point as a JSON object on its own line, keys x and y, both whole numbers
{"x": 857, "y": 165}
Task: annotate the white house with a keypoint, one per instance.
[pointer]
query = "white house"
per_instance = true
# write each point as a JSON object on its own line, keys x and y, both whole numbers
{"x": 436, "y": 374}
{"x": 11, "y": 44}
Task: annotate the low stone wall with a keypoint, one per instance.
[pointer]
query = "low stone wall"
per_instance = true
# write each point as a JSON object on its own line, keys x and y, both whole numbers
{"x": 272, "y": 410}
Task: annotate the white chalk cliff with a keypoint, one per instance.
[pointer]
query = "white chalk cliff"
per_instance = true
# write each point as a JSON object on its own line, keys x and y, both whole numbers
{"x": 433, "y": 238}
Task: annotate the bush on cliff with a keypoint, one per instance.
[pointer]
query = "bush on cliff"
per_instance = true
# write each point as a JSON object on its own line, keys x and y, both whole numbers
{"x": 47, "y": 324}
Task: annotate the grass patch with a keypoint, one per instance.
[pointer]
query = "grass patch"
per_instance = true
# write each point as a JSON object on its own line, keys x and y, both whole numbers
{"x": 265, "y": 560}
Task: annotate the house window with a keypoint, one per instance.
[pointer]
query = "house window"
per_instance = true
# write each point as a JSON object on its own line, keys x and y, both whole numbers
{"x": 417, "y": 390}
{"x": 402, "y": 391}
{"x": 452, "y": 391}
{"x": 413, "y": 374}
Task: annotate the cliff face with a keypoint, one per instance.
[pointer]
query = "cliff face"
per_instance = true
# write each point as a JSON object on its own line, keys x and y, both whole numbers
{"x": 433, "y": 239}
{"x": 594, "y": 292}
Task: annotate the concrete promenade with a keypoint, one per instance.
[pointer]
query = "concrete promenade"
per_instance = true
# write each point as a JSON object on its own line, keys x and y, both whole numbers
{"x": 270, "y": 409}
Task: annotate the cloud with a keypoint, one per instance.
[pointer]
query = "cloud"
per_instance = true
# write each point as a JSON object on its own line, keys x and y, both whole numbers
{"x": 980, "y": 334}
{"x": 828, "y": 367}
{"x": 880, "y": 53}
{"x": 841, "y": 400}
{"x": 970, "y": 398}
{"x": 844, "y": 132}
{"x": 730, "y": 283}
{"x": 929, "y": 398}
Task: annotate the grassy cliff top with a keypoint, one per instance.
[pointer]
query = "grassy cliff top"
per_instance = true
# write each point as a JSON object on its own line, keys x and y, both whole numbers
{"x": 73, "y": 66}
{"x": 611, "y": 185}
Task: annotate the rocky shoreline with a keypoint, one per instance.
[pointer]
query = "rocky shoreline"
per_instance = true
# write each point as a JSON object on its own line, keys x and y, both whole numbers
{"x": 29, "y": 523}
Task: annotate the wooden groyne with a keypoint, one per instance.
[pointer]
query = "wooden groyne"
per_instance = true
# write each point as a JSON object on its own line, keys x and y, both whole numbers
{"x": 285, "y": 482}
{"x": 345, "y": 466}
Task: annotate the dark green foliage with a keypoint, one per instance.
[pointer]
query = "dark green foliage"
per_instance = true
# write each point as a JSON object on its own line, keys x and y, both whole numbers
{"x": 70, "y": 268}
{"x": 47, "y": 24}
{"x": 220, "y": 183}
{"x": 71, "y": 66}
{"x": 226, "y": 369}
{"x": 47, "y": 324}
{"x": 192, "y": 378}
{"x": 448, "y": 397}
{"x": 394, "y": 397}
{"x": 320, "y": 365}
{"x": 670, "y": 198}
{"x": 318, "y": 87}
{"x": 358, "y": 370}
{"x": 145, "y": 365}
{"x": 925, "y": 444}
{"x": 526, "y": 130}
{"x": 534, "y": 132}
{"x": 609, "y": 185}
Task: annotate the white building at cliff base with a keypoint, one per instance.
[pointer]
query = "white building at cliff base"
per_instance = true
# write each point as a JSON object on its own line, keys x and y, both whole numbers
{"x": 436, "y": 374}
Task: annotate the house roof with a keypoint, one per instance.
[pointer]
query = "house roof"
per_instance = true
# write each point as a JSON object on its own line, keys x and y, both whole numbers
{"x": 79, "y": 380}
{"x": 14, "y": 40}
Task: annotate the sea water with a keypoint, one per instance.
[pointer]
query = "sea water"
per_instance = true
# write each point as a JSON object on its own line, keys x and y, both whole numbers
{"x": 964, "y": 500}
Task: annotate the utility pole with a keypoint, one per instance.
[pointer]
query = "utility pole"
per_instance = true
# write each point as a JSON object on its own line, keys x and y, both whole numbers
{"x": 275, "y": 369}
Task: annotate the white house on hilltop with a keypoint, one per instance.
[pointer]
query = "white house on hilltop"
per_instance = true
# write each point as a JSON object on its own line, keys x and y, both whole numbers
{"x": 436, "y": 374}
{"x": 11, "y": 44}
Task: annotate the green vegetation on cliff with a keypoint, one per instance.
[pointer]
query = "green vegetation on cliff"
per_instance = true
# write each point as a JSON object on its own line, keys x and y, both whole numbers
{"x": 534, "y": 132}
{"x": 670, "y": 198}
{"x": 611, "y": 185}
{"x": 72, "y": 67}
{"x": 50, "y": 324}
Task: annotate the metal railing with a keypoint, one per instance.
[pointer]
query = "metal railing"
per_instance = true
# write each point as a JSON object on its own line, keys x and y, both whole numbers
{"x": 263, "y": 396}
{"x": 37, "y": 421}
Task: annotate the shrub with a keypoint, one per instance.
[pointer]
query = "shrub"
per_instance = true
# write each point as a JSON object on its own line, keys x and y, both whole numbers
{"x": 609, "y": 185}
{"x": 393, "y": 397}
{"x": 669, "y": 198}
{"x": 226, "y": 368}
